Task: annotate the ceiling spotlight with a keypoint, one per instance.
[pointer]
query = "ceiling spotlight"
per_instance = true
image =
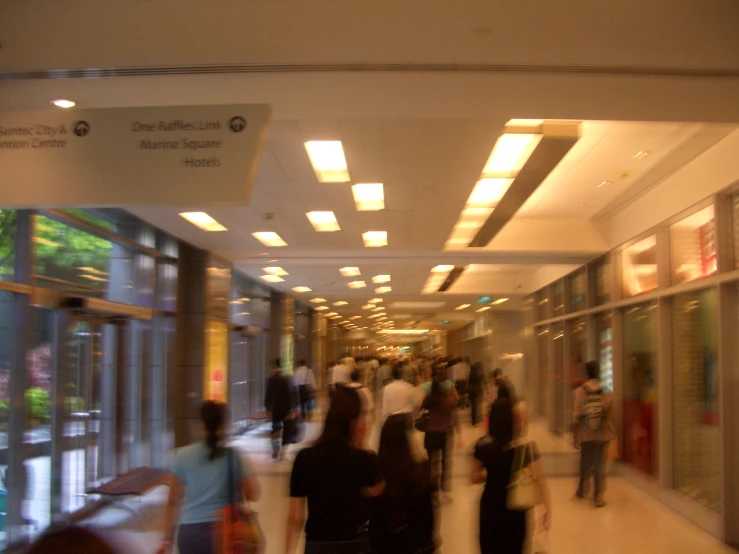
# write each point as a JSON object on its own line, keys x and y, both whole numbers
{"x": 63, "y": 103}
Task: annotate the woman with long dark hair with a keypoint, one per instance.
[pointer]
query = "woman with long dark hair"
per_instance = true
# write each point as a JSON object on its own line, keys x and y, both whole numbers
{"x": 336, "y": 477}
{"x": 503, "y": 530}
{"x": 441, "y": 402}
{"x": 402, "y": 517}
{"x": 204, "y": 470}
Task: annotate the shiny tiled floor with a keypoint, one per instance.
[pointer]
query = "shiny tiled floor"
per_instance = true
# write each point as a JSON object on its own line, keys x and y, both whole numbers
{"x": 632, "y": 523}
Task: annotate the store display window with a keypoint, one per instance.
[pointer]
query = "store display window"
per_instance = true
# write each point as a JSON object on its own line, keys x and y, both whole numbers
{"x": 578, "y": 290}
{"x": 693, "y": 246}
{"x": 639, "y": 265}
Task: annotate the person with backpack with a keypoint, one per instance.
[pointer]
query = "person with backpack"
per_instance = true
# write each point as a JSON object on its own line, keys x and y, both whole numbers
{"x": 592, "y": 428}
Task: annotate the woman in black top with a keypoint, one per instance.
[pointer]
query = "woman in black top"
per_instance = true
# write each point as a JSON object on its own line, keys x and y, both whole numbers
{"x": 503, "y": 531}
{"x": 402, "y": 517}
{"x": 335, "y": 476}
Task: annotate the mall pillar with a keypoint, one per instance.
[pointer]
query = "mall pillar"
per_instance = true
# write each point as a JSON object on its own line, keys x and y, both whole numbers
{"x": 203, "y": 289}
{"x": 281, "y": 331}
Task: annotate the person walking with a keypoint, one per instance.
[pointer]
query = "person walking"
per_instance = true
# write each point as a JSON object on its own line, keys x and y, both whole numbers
{"x": 402, "y": 517}
{"x": 335, "y": 477}
{"x": 497, "y": 458}
{"x": 441, "y": 402}
{"x": 476, "y": 391}
{"x": 201, "y": 472}
{"x": 398, "y": 396}
{"x": 593, "y": 429}
{"x": 305, "y": 380}
{"x": 280, "y": 402}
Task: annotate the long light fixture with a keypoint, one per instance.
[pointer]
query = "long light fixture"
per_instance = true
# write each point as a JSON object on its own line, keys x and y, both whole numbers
{"x": 328, "y": 160}
{"x": 323, "y": 222}
{"x": 379, "y": 279}
{"x": 500, "y": 301}
{"x": 63, "y": 103}
{"x": 203, "y": 221}
{"x": 442, "y": 269}
{"x": 378, "y": 309}
{"x": 357, "y": 285}
{"x": 269, "y": 238}
{"x": 340, "y": 303}
{"x": 383, "y": 290}
{"x": 368, "y": 306}
{"x": 373, "y": 239}
{"x": 321, "y": 308}
{"x": 318, "y": 300}
{"x": 483, "y": 309}
{"x": 302, "y": 289}
{"x": 350, "y": 271}
{"x": 356, "y": 317}
{"x": 376, "y": 300}
{"x": 488, "y": 192}
{"x": 275, "y": 271}
{"x": 509, "y": 154}
{"x": 369, "y": 197}
{"x": 404, "y": 331}
{"x": 272, "y": 278}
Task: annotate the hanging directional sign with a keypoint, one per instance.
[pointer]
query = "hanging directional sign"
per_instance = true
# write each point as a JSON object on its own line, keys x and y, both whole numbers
{"x": 183, "y": 155}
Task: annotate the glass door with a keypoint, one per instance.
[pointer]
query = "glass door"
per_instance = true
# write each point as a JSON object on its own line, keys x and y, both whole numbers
{"x": 239, "y": 400}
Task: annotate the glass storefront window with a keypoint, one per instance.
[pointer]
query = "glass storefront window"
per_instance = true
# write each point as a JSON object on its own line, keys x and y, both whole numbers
{"x": 639, "y": 265}
{"x": 558, "y": 380}
{"x": 81, "y": 264}
{"x": 544, "y": 375}
{"x": 578, "y": 291}
{"x": 640, "y": 387}
{"x": 603, "y": 281}
{"x": 604, "y": 322}
{"x": 693, "y": 246}
{"x": 542, "y": 304}
{"x": 249, "y": 303}
{"x": 7, "y": 244}
{"x": 696, "y": 431}
{"x": 559, "y": 298}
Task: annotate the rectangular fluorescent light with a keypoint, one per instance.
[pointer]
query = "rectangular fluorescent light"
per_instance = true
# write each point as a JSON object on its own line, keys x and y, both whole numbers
{"x": 301, "y": 289}
{"x": 321, "y": 308}
{"x": 272, "y": 278}
{"x": 500, "y": 301}
{"x": 268, "y": 238}
{"x": 383, "y": 290}
{"x": 462, "y": 306}
{"x": 374, "y": 316}
{"x": 203, "y": 221}
{"x": 378, "y": 309}
{"x": 323, "y": 222}
{"x": 332, "y": 314}
{"x": 318, "y": 300}
{"x": 442, "y": 269}
{"x": 488, "y": 192}
{"x": 328, "y": 161}
{"x": 275, "y": 271}
{"x": 483, "y": 309}
{"x": 378, "y": 279}
{"x": 357, "y": 285}
{"x": 356, "y": 317}
{"x": 405, "y": 331}
{"x": 369, "y": 197}
{"x": 349, "y": 271}
{"x": 340, "y": 303}
{"x": 510, "y": 154}
{"x": 368, "y": 306}
{"x": 374, "y": 239}
{"x": 375, "y": 301}
{"x": 413, "y": 305}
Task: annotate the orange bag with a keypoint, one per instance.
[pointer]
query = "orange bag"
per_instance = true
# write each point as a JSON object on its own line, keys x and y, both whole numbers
{"x": 238, "y": 531}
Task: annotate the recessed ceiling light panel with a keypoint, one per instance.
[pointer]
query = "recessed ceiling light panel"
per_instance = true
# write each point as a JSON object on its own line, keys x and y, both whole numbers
{"x": 301, "y": 289}
{"x": 340, "y": 303}
{"x": 272, "y": 278}
{"x": 268, "y": 238}
{"x": 374, "y": 239}
{"x": 383, "y": 290}
{"x": 350, "y": 271}
{"x": 323, "y": 222}
{"x": 275, "y": 271}
{"x": 203, "y": 221}
{"x": 357, "y": 284}
{"x": 328, "y": 160}
{"x": 379, "y": 279}
{"x": 369, "y": 196}
{"x": 462, "y": 306}
{"x": 317, "y": 300}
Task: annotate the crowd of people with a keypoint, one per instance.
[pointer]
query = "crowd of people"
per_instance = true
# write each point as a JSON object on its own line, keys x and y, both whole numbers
{"x": 349, "y": 499}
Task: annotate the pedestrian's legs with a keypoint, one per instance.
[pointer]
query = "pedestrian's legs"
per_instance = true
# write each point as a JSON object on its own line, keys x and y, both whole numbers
{"x": 585, "y": 468}
{"x": 474, "y": 401}
{"x": 444, "y": 463}
{"x": 276, "y": 436}
{"x": 599, "y": 469}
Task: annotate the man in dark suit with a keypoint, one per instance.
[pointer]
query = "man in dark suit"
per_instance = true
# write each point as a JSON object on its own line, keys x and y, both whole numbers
{"x": 280, "y": 403}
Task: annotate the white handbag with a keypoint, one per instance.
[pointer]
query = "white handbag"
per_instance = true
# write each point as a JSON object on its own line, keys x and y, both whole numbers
{"x": 523, "y": 490}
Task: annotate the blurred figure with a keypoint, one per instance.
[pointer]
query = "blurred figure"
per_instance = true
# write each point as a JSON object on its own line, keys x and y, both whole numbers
{"x": 385, "y": 372}
{"x": 336, "y": 477}
{"x": 72, "y": 539}
{"x": 305, "y": 380}
{"x": 398, "y": 395}
{"x": 441, "y": 402}
{"x": 460, "y": 375}
{"x": 402, "y": 517}
{"x": 497, "y": 458}
{"x": 367, "y": 411}
{"x": 204, "y": 469}
{"x": 342, "y": 372}
{"x": 501, "y": 380}
{"x": 280, "y": 402}
{"x": 476, "y": 391}
{"x": 593, "y": 429}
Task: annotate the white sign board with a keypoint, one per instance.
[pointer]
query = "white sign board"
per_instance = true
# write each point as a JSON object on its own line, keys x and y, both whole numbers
{"x": 184, "y": 155}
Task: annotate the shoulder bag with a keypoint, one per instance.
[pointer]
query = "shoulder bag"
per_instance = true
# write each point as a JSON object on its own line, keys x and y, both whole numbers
{"x": 238, "y": 531}
{"x": 523, "y": 491}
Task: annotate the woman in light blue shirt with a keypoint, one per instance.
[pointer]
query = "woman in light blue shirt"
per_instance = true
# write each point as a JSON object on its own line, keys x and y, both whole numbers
{"x": 202, "y": 470}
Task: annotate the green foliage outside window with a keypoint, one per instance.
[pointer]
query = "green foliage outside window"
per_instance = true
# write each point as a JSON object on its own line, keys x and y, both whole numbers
{"x": 7, "y": 243}
{"x": 38, "y": 404}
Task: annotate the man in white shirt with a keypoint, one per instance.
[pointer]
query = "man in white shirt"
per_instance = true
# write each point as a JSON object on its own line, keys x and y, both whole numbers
{"x": 305, "y": 380}
{"x": 341, "y": 374}
{"x": 399, "y": 396}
